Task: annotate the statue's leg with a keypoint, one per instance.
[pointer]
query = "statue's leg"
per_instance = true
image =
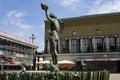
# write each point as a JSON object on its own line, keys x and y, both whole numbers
{"x": 55, "y": 52}
{"x": 53, "y": 45}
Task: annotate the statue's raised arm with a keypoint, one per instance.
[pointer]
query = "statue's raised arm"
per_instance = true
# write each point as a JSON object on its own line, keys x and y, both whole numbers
{"x": 45, "y": 7}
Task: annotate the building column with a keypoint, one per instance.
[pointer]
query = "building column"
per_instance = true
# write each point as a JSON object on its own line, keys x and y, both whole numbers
{"x": 94, "y": 44}
{"x": 36, "y": 60}
{"x": 107, "y": 44}
{"x": 69, "y": 45}
{"x": 81, "y": 45}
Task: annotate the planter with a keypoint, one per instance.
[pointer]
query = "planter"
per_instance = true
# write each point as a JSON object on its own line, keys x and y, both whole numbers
{"x": 61, "y": 75}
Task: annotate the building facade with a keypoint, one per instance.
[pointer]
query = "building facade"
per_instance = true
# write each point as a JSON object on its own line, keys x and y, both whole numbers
{"x": 14, "y": 50}
{"x": 94, "y": 39}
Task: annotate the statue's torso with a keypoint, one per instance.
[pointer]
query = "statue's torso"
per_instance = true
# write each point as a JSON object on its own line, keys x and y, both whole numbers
{"x": 54, "y": 25}
{"x": 54, "y": 29}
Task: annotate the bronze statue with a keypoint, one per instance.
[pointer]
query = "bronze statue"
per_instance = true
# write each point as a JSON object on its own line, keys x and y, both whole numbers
{"x": 54, "y": 33}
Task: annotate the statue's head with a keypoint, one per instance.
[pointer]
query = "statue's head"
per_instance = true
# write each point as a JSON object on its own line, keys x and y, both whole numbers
{"x": 52, "y": 15}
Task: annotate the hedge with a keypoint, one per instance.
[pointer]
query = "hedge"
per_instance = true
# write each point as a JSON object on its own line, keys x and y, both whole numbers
{"x": 62, "y": 75}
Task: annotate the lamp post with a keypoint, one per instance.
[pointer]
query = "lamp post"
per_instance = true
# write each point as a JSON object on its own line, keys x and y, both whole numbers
{"x": 32, "y": 38}
{"x": 2, "y": 69}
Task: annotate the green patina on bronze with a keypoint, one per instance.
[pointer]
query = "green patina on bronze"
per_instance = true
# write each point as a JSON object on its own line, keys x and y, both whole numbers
{"x": 54, "y": 33}
{"x": 54, "y": 41}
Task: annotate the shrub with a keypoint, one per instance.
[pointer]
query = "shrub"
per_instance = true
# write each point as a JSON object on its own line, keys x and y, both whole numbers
{"x": 66, "y": 75}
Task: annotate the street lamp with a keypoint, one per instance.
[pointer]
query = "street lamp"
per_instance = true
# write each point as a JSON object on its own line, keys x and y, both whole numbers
{"x": 32, "y": 52}
{"x": 32, "y": 38}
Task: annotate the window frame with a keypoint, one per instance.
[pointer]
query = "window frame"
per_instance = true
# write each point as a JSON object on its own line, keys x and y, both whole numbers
{"x": 64, "y": 43}
{"x": 75, "y": 45}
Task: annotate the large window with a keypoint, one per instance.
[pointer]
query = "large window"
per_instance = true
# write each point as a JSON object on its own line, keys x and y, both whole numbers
{"x": 64, "y": 46}
{"x": 91, "y": 45}
{"x": 87, "y": 45}
{"x": 99, "y": 44}
{"x": 75, "y": 45}
{"x": 112, "y": 44}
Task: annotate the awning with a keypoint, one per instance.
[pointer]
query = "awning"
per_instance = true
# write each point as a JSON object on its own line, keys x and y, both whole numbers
{"x": 43, "y": 62}
{"x": 65, "y": 62}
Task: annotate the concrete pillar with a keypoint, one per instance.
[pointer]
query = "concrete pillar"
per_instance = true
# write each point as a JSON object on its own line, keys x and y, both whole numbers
{"x": 107, "y": 44}
{"x": 69, "y": 45}
{"x": 94, "y": 44}
{"x": 36, "y": 63}
{"x": 81, "y": 45}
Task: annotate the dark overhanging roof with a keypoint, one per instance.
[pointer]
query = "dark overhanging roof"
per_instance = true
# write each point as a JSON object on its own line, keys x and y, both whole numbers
{"x": 90, "y": 16}
{"x": 93, "y": 15}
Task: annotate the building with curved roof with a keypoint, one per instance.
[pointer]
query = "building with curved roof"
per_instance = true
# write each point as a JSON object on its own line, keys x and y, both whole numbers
{"x": 15, "y": 50}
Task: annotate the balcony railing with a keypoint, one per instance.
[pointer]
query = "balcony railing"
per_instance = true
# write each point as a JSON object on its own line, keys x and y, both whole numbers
{"x": 15, "y": 49}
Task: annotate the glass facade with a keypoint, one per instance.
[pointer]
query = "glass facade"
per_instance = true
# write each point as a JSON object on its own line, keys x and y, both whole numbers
{"x": 75, "y": 45}
{"x": 101, "y": 65}
{"x": 91, "y": 44}
{"x": 99, "y": 44}
{"x": 98, "y": 52}
{"x": 87, "y": 45}
{"x": 16, "y": 52}
{"x": 64, "y": 46}
{"x": 113, "y": 44}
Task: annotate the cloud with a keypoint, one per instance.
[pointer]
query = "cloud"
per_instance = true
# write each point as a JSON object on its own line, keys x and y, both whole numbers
{"x": 15, "y": 14}
{"x": 105, "y": 7}
{"x": 15, "y": 18}
{"x": 97, "y": 2}
{"x": 70, "y": 3}
{"x": 42, "y": 26}
{"x": 20, "y": 24}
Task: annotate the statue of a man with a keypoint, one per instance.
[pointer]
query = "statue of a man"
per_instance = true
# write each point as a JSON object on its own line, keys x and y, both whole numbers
{"x": 54, "y": 33}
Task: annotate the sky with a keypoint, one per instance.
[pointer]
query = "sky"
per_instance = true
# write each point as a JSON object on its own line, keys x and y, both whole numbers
{"x": 22, "y": 18}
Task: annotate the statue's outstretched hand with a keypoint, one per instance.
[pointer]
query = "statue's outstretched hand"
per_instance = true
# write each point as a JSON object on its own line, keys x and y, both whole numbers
{"x": 44, "y": 6}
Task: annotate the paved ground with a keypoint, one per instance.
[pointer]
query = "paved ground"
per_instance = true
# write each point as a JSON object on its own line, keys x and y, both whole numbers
{"x": 114, "y": 76}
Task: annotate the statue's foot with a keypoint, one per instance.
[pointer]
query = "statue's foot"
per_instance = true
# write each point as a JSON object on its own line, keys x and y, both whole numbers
{"x": 54, "y": 67}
